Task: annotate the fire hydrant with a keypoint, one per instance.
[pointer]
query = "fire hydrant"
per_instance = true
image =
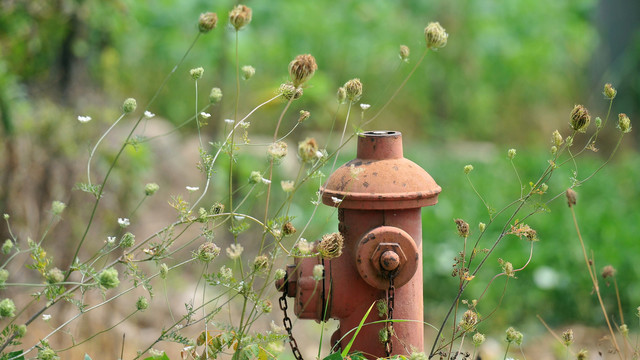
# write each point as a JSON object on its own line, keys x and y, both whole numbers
{"x": 379, "y": 196}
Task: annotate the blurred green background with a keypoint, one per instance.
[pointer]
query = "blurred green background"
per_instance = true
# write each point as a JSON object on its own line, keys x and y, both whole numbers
{"x": 509, "y": 76}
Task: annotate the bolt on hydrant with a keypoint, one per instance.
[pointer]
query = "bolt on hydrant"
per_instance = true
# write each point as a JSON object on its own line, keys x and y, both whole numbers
{"x": 379, "y": 196}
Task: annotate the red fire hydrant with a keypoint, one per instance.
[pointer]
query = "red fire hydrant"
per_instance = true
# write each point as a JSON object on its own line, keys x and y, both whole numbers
{"x": 379, "y": 196}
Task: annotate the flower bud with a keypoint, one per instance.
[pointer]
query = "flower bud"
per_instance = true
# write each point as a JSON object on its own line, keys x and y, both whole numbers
{"x": 468, "y": 169}
{"x": 404, "y": 53}
{"x": 507, "y": 267}
{"x": 108, "y": 278}
{"x": 514, "y": 336}
{"x": 302, "y": 69}
{"x": 207, "y": 252}
{"x": 260, "y": 263}
{"x": 240, "y": 16}
{"x": 277, "y": 151}
{"x": 207, "y": 22}
{"x": 567, "y": 337}
{"x": 151, "y": 188}
{"x": 482, "y": 226}
{"x": 318, "y": 272}
{"x": 255, "y": 177}
{"x": 288, "y": 91}
{"x": 127, "y": 240}
{"x": 353, "y": 89}
{"x": 557, "y": 138}
{"x": 54, "y": 276}
{"x": 609, "y": 91}
{"x": 624, "y": 123}
{"x": 580, "y": 118}
{"x": 196, "y": 73}
{"x": 478, "y": 339}
{"x": 247, "y": 72}
{"x": 215, "y": 95}
{"x": 57, "y": 207}
{"x": 7, "y": 246}
{"x": 164, "y": 270}
{"x": 304, "y": 115}
{"x": 142, "y": 304}
{"x": 129, "y": 105}
{"x": 21, "y": 330}
{"x": 435, "y": 35}
{"x": 280, "y": 274}
{"x": 511, "y": 154}
{"x": 342, "y": 95}
{"x": 307, "y": 150}
{"x": 7, "y": 308}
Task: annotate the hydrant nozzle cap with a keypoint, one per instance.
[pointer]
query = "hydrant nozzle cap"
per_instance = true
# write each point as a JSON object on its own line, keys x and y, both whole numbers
{"x": 380, "y": 177}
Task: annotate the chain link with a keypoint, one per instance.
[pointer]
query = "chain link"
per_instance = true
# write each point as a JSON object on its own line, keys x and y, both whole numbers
{"x": 391, "y": 293}
{"x": 286, "y": 321}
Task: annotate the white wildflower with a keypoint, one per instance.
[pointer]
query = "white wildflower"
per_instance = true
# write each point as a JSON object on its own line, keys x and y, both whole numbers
{"x": 229, "y": 121}
{"x": 266, "y": 181}
{"x": 46, "y": 317}
{"x": 111, "y": 240}
{"x": 148, "y": 114}
{"x": 192, "y": 188}
{"x": 234, "y": 251}
{"x": 365, "y": 106}
{"x": 318, "y": 272}
{"x": 205, "y": 115}
{"x": 304, "y": 246}
{"x": 336, "y": 200}
{"x": 124, "y": 222}
{"x": 84, "y": 119}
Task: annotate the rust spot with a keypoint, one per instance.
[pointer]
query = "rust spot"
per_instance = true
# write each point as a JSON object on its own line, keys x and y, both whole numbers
{"x": 365, "y": 184}
{"x": 394, "y": 182}
{"x": 396, "y": 168}
{"x": 404, "y": 184}
{"x": 375, "y": 174}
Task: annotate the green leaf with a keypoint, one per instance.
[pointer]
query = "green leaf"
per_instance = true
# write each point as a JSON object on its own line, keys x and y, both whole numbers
{"x": 15, "y": 355}
{"x": 345, "y": 351}
{"x": 334, "y": 356}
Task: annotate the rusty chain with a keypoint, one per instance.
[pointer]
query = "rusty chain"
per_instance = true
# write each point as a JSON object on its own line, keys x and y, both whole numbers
{"x": 391, "y": 292}
{"x": 287, "y": 322}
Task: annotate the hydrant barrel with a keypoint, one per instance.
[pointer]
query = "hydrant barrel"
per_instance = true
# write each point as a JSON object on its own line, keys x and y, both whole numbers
{"x": 379, "y": 196}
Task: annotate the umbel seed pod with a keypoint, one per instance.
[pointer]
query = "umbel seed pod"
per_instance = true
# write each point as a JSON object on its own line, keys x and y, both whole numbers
{"x": 580, "y": 118}
{"x": 207, "y": 22}
{"x": 609, "y": 91}
{"x": 435, "y": 35}
{"x": 353, "y": 89}
{"x": 240, "y": 16}
{"x": 302, "y": 69}
{"x": 624, "y": 123}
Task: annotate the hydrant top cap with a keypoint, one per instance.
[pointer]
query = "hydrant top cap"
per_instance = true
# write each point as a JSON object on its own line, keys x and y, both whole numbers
{"x": 380, "y": 177}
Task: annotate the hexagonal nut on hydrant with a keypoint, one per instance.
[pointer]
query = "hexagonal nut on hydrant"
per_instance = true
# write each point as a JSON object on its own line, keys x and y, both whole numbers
{"x": 388, "y": 257}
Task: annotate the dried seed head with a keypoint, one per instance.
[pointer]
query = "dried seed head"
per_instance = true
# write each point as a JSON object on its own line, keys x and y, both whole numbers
{"x": 478, "y": 339}
{"x": 302, "y": 69}
{"x": 609, "y": 91}
{"x": 580, "y": 118}
{"x": 307, "y": 150}
{"x": 435, "y": 35}
{"x": 404, "y": 53}
{"x": 288, "y": 229}
{"x": 247, "y": 72}
{"x": 207, "y": 22}
{"x": 608, "y": 271}
{"x": 624, "y": 123}
{"x": 288, "y": 91}
{"x": 469, "y": 320}
{"x": 331, "y": 245}
{"x": 567, "y": 337}
{"x": 463, "y": 227}
{"x": 571, "y": 197}
{"x": 277, "y": 151}
{"x": 342, "y": 95}
{"x": 353, "y": 89}
{"x": 240, "y": 16}
{"x": 557, "y": 138}
{"x": 215, "y": 95}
